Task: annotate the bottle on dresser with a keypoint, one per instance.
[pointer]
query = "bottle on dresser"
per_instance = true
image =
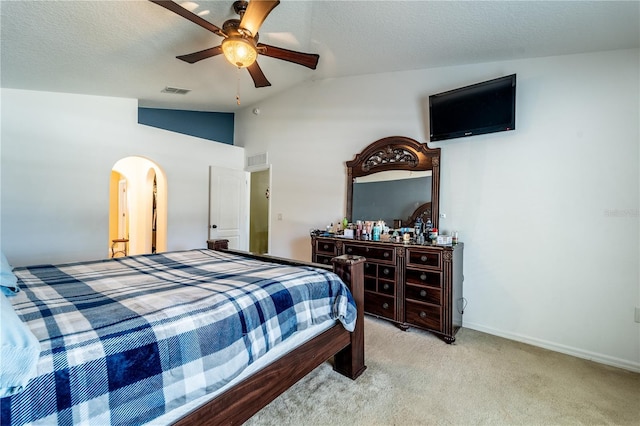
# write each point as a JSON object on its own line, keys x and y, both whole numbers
{"x": 428, "y": 226}
{"x": 417, "y": 231}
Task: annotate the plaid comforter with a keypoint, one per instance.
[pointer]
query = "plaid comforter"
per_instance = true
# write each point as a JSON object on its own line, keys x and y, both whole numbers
{"x": 128, "y": 339}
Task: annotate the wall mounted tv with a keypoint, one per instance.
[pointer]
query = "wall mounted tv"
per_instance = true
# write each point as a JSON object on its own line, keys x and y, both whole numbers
{"x": 485, "y": 107}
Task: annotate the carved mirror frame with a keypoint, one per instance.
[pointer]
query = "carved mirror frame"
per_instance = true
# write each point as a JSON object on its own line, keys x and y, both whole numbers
{"x": 398, "y": 153}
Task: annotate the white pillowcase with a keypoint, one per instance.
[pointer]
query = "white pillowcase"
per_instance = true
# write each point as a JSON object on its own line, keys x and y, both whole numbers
{"x": 19, "y": 351}
{"x": 8, "y": 281}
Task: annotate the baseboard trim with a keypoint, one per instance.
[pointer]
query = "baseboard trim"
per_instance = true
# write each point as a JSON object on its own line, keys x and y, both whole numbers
{"x": 568, "y": 350}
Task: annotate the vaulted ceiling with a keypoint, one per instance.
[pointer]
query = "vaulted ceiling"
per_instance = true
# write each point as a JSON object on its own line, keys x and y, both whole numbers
{"x": 129, "y": 48}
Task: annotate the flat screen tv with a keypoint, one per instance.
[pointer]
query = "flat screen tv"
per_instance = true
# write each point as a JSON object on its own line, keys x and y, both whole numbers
{"x": 485, "y": 107}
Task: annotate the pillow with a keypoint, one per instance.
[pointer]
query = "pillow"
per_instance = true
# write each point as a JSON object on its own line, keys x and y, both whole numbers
{"x": 9, "y": 282}
{"x": 19, "y": 351}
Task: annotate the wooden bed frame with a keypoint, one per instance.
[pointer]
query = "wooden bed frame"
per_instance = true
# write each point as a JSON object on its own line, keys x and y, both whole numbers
{"x": 242, "y": 401}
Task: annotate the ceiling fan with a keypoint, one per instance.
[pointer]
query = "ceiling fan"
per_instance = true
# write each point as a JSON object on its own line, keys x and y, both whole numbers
{"x": 240, "y": 38}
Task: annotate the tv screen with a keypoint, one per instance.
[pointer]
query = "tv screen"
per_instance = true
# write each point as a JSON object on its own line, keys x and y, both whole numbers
{"x": 485, "y": 107}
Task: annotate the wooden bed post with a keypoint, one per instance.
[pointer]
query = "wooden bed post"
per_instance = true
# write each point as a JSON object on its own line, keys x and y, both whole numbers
{"x": 350, "y": 361}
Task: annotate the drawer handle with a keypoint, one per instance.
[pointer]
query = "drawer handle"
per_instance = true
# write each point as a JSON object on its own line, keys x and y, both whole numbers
{"x": 423, "y": 293}
{"x": 386, "y": 254}
{"x": 423, "y": 277}
{"x": 349, "y": 250}
{"x": 386, "y": 286}
{"x": 366, "y": 249}
{"x": 423, "y": 258}
{"x": 385, "y": 305}
{"x": 326, "y": 246}
{"x": 423, "y": 314}
{"x": 385, "y": 271}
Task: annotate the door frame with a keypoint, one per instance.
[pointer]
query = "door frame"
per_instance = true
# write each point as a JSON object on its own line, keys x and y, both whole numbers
{"x": 139, "y": 172}
{"x": 255, "y": 169}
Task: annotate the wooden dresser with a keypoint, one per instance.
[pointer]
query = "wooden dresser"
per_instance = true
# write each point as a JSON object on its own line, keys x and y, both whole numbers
{"x": 411, "y": 285}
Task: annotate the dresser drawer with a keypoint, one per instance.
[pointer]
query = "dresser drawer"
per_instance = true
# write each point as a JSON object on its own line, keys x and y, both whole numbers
{"x": 379, "y": 254}
{"x": 386, "y": 287}
{"x": 386, "y": 272}
{"x": 423, "y": 315}
{"x": 325, "y": 260}
{"x": 428, "y": 278}
{"x": 377, "y": 304}
{"x": 370, "y": 283}
{"x": 424, "y": 294}
{"x": 421, "y": 257}
{"x": 325, "y": 246}
{"x": 370, "y": 269}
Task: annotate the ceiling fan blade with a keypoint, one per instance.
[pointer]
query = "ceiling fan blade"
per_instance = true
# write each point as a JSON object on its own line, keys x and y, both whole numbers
{"x": 257, "y": 75}
{"x": 177, "y": 9}
{"x": 192, "y": 58}
{"x": 256, "y": 13}
{"x": 309, "y": 60}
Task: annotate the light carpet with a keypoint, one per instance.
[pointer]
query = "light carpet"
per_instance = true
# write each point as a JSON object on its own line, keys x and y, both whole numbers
{"x": 414, "y": 378}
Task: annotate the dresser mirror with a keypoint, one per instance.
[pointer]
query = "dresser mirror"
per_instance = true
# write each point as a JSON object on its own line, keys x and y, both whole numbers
{"x": 394, "y": 179}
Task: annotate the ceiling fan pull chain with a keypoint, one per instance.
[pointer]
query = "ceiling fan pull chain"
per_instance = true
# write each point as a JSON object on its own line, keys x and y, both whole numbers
{"x": 238, "y": 87}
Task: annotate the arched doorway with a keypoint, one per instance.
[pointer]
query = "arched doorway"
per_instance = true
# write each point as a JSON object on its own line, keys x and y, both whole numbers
{"x": 140, "y": 215}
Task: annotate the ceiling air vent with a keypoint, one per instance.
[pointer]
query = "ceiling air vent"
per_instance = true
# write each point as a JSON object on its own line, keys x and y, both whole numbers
{"x": 175, "y": 90}
{"x": 257, "y": 160}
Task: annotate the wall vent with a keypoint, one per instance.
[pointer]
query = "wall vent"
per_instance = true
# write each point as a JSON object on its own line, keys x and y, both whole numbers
{"x": 175, "y": 90}
{"x": 256, "y": 161}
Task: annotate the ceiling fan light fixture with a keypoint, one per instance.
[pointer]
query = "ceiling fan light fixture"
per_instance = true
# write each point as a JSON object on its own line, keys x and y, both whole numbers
{"x": 240, "y": 51}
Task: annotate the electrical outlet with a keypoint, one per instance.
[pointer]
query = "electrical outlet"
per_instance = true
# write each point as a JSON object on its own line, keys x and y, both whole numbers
{"x": 443, "y": 215}
{"x": 637, "y": 314}
{"x": 279, "y": 216}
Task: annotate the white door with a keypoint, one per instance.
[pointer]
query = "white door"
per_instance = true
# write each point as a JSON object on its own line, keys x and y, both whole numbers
{"x": 228, "y": 206}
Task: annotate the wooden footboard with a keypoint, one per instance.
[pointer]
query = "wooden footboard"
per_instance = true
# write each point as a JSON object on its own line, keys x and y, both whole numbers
{"x": 239, "y": 403}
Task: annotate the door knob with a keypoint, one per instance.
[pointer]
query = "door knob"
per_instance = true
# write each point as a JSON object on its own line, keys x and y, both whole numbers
{"x": 214, "y": 226}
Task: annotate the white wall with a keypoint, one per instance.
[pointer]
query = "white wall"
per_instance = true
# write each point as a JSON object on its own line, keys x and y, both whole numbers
{"x": 548, "y": 212}
{"x": 57, "y": 154}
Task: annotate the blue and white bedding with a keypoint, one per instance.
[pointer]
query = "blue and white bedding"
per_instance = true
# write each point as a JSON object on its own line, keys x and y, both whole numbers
{"x": 126, "y": 340}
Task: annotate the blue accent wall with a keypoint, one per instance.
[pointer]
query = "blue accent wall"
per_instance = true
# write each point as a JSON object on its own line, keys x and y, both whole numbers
{"x": 215, "y": 126}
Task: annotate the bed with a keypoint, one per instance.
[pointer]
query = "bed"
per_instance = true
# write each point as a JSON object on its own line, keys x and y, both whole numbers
{"x": 184, "y": 337}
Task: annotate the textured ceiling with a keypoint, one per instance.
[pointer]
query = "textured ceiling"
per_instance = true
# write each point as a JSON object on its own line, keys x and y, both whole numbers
{"x": 128, "y": 48}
